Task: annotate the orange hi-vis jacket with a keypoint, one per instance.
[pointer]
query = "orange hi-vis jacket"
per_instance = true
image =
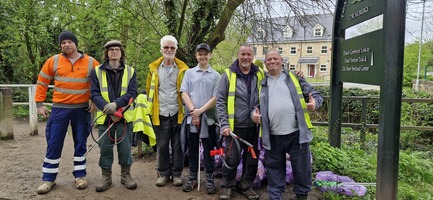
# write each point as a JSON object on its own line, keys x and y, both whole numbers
{"x": 71, "y": 82}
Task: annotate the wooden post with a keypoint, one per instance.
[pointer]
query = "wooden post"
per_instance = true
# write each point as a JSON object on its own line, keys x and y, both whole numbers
{"x": 6, "y": 117}
{"x": 139, "y": 145}
{"x": 33, "y": 113}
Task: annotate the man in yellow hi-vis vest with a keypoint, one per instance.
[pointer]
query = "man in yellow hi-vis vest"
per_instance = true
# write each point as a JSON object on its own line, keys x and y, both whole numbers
{"x": 114, "y": 84}
{"x": 163, "y": 84}
{"x": 284, "y": 104}
{"x": 236, "y": 96}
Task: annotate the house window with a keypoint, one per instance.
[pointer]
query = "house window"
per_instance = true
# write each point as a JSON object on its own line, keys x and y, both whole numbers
{"x": 324, "y": 50}
{"x": 280, "y": 50}
{"x": 291, "y": 67}
{"x": 265, "y": 50}
{"x": 323, "y": 68}
{"x": 261, "y": 34}
{"x": 287, "y": 32}
{"x": 255, "y": 50}
{"x": 292, "y": 50}
{"x": 318, "y": 30}
{"x": 309, "y": 50}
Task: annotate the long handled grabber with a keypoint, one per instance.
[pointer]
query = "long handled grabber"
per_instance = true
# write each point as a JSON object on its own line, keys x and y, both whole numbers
{"x": 250, "y": 146}
{"x": 118, "y": 113}
{"x": 199, "y": 167}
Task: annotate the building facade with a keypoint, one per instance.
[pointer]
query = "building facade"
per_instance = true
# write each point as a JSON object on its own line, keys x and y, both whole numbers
{"x": 305, "y": 43}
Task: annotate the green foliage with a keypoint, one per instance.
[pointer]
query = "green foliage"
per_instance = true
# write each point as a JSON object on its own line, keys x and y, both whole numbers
{"x": 20, "y": 111}
{"x": 415, "y": 168}
{"x": 411, "y": 53}
{"x": 344, "y": 162}
{"x": 415, "y": 179}
{"x": 259, "y": 63}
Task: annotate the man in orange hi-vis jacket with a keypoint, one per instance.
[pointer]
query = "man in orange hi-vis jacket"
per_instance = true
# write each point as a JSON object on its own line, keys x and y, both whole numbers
{"x": 70, "y": 71}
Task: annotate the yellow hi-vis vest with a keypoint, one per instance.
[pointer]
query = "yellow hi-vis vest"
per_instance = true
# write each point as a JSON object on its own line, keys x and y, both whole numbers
{"x": 103, "y": 84}
{"x": 142, "y": 120}
{"x": 232, "y": 91}
{"x": 302, "y": 100}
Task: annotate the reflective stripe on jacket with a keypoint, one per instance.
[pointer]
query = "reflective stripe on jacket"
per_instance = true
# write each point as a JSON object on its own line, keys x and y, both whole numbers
{"x": 232, "y": 91}
{"x": 71, "y": 82}
{"x": 294, "y": 84}
{"x": 302, "y": 100}
{"x": 103, "y": 84}
{"x": 142, "y": 121}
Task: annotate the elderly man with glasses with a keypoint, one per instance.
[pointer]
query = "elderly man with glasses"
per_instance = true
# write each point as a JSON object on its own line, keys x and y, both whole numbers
{"x": 163, "y": 84}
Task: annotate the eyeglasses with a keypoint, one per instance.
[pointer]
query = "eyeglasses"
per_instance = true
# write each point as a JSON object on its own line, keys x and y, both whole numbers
{"x": 114, "y": 49}
{"x": 167, "y": 48}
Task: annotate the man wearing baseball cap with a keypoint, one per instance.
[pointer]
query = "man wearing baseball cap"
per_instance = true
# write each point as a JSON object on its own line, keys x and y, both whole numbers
{"x": 198, "y": 89}
{"x": 70, "y": 71}
{"x": 113, "y": 85}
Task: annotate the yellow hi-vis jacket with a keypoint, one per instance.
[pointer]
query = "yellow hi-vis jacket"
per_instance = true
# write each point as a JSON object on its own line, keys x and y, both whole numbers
{"x": 232, "y": 91}
{"x": 152, "y": 85}
{"x": 142, "y": 120}
{"x": 302, "y": 100}
{"x": 102, "y": 78}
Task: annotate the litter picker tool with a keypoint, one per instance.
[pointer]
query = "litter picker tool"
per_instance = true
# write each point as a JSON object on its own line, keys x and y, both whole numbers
{"x": 118, "y": 113}
{"x": 250, "y": 146}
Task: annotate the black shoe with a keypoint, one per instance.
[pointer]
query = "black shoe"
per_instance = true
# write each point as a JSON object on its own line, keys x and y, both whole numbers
{"x": 210, "y": 185}
{"x": 226, "y": 193}
{"x": 191, "y": 183}
{"x": 251, "y": 194}
{"x": 301, "y": 196}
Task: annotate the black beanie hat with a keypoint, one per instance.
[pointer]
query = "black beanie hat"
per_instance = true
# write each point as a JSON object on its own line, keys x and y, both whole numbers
{"x": 66, "y": 35}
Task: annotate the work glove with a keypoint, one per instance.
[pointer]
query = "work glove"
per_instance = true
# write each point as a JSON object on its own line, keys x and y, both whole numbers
{"x": 115, "y": 118}
{"x": 110, "y": 108}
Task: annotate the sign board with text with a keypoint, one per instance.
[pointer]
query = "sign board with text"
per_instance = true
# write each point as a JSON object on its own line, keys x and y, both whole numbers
{"x": 360, "y": 53}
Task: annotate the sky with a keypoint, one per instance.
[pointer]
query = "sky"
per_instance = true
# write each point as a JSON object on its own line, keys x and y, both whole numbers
{"x": 413, "y": 20}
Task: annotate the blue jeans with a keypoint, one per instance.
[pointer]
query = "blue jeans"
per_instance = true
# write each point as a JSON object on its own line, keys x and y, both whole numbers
{"x": 275, "y": 162}
{"x": 168, "y": 132}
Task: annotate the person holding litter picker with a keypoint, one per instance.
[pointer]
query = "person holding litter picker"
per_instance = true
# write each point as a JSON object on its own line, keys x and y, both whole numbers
{"x": 198, "y": 89}
{"x": 114, "y": 85}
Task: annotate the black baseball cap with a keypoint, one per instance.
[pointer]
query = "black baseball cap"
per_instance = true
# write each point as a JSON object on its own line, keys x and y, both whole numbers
{"x": 202, "y": 46}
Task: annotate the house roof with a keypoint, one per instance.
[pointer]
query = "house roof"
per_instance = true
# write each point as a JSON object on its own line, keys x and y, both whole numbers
{"x": 303, "y": 29}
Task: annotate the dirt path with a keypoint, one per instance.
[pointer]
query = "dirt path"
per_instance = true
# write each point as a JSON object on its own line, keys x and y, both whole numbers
{"x": 20, "y": 173}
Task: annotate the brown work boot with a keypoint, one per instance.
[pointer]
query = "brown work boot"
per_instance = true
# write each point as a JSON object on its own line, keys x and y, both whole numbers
{"x": 126, "y": 178}
{"x": 105, "y": 181}
{"x": 80, "y": 183}
{"x": 45, "y": 187}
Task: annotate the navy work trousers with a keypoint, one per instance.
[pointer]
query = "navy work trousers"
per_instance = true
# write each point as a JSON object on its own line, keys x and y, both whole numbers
{"x": 275, "y": 161}
{"x": 55, "y": 134}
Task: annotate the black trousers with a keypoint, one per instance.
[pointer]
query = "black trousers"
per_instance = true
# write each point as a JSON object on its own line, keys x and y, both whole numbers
{"x": 234, "y": 155}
